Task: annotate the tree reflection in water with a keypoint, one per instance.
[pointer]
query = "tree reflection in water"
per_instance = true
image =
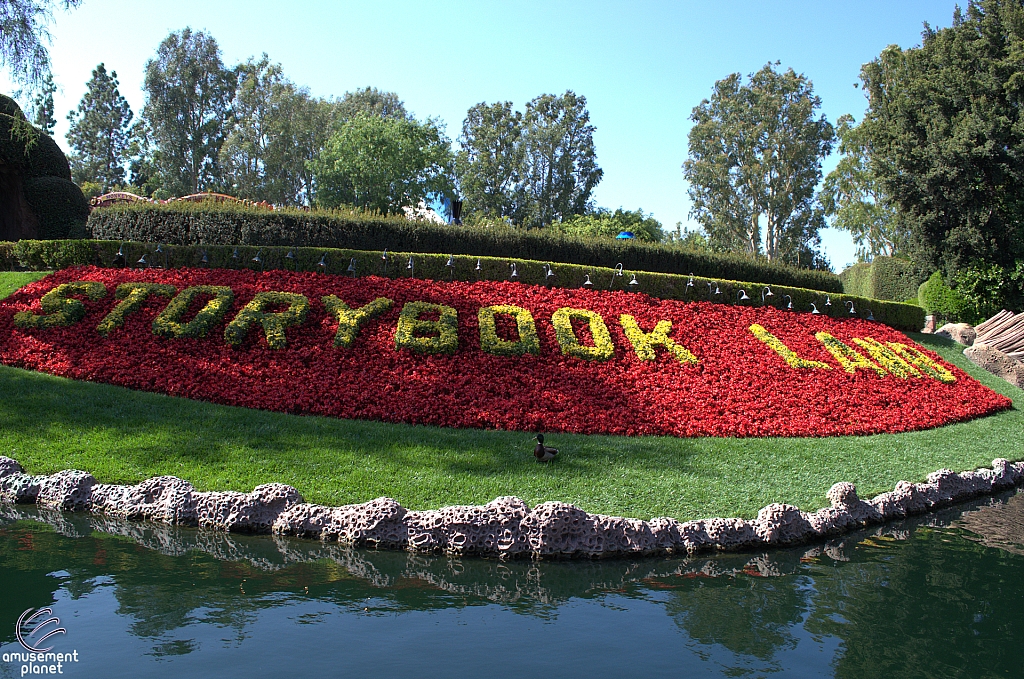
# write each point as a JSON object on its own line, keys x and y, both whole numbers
{"x": 908, "y": 599}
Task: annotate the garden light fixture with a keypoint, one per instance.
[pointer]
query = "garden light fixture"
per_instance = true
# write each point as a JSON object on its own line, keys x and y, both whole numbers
{"x": 352, "y": 267}
{"x": 634, "y": 281}
{"x": 850, "y": 303}
{"x": 767, "y": 292}
{"x": 815, "y": 308}
{"x": 587, "y": 282}
{"x": 742, "y": 296}
{"x": 789, "y": 306}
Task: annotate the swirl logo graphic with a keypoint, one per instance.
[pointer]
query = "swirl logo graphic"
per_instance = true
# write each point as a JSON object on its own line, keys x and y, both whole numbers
{"x": 30, "y": 624}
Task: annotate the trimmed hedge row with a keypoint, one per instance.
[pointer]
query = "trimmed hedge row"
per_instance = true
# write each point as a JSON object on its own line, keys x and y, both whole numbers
{"x": 230, "y": 224}
{"x": 59, "y": 254}
{"x": 885, "y": 278}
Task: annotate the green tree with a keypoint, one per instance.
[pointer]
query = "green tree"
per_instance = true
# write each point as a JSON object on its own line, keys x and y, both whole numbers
{"x": 855, "y": 200}
{"x": 373, "y": 102}
{"x": 383, "y": 163}
{"x": 560, "y": 168}
{"x": 754, "y": 162}
{"x": 947, "y": 138}
{"x": 608, "y": 224}
{"x": 489, "y": 164}
{"x": 43, "y": 108}
{"x": 278, "y": 129}
{"x": 24, "y": 35}
{"x": 99, "y": 134}
{"x": 188, "y": 111}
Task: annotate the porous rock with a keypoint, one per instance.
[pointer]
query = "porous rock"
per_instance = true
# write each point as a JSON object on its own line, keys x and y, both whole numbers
{"x": 165, "y": 499}
{"x": 374, "y": 523}
{"x": 488, "y": 529}
{"x": 9, "y": 466}
{"x": 557, "y": 528}
{"x": 996, "y": 362}
{"x": 962, "y": 333}
{"x": 780, "y": 524}
{"x": 253, "y": 512}
{"x": 614, "y": 535}
{"x": 665, "y": 533}
{"x": 70, "y": 490}
{"x": 843, "y": 497}
{"x": 694, "y": 537}
{"x": 730, "y": 533}
{"x": 20, "y": 488}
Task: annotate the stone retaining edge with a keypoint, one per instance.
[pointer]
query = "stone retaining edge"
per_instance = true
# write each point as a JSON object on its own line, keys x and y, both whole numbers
{"x": 505, "y": 527}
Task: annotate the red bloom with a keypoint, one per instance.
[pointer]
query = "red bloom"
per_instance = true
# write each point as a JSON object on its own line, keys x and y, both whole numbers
{"x": 739, "y": 385}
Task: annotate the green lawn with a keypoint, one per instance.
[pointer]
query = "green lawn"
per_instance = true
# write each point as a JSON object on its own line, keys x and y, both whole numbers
{"x": 12, "y": 280}
{"x": 121, "y": 436}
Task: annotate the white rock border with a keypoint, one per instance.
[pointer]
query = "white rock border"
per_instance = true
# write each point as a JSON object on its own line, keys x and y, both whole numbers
{"x": 505, "y": 527}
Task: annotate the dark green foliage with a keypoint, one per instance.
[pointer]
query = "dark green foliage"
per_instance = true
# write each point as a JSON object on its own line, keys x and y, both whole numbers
{"x": 17, "y": 138}
{"x": 9, "y": 107}
{"x": 45, "y": 159}
{"x": 886, "y": 278}
{"x": 59, "y": 205}
{"x": 100, "y": 132}
{"x": 938, "y": 298}
{"x": 947, "y": 137}
{"x": 989, "y": 288}
{"x": 227, "y": 224}
{"x": 56, "y": 254}
{"x": 743, "y": 140}
{"x": 856, "y": 279}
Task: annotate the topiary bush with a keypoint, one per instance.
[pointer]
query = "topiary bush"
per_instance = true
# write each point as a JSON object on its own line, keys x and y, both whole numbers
{"x": 59, "y": 206}
{"x": 45, "y": 159}
{"x": 938, "y": 298}
{"x": 39, "y": 200}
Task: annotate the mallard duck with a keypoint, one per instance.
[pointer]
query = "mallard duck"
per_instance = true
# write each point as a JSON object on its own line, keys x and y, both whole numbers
{"x": 542, "y": 452}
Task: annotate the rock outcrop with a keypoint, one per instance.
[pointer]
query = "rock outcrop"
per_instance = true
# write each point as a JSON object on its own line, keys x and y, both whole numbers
{"x": 997, "y": 363}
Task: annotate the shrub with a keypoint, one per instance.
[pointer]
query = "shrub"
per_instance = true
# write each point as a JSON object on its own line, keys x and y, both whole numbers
{"x": 989, "y": 288}
{"x": 938, "y": 298}
{"x": 59, "y": 205}
{"x": 231, "y": 224}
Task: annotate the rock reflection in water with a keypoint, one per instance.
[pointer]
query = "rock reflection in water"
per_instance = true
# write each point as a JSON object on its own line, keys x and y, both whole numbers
{"x": 998, "y": 525}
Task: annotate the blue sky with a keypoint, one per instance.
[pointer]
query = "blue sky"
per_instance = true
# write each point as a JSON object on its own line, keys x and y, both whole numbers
{"x": 642, "y": 65}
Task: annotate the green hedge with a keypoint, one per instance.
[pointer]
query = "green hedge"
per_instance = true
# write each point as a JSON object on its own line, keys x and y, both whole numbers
{"x": 885, "y": 278}
{"x": 232, "y": 224}
{"x": 59, "y": 254}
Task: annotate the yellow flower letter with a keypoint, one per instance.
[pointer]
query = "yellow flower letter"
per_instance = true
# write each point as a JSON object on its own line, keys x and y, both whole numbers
{"x": 848, "y": 358}
{"x": 788, "y": 355}
{"x": 928, "y": 366}
{"x": 644, "y": 342}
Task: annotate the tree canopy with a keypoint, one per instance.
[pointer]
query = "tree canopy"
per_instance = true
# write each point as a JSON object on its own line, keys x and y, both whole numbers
{"x": 99, "y": 134}
{"x": 383, "y": 163}
{"x": 947, "y": 137}
{"x": 188, "y": 110}
{"x": 24, "y": 35}
{"x": 853, "y": 196}
{"x": 754, "y": 162}
{"x": 534, "y": 168}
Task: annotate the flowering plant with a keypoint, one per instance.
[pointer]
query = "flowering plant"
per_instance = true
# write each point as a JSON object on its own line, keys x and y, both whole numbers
{"x": 486, "y": 354}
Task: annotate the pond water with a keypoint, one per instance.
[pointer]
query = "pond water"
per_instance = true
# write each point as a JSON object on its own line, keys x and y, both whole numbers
{"x": 938, "y": 596}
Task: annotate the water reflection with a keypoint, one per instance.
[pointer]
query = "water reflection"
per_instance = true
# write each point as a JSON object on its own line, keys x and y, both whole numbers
{"x": 911, "y": 599}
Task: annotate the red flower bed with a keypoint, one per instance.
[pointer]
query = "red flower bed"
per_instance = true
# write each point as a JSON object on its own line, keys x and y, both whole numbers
{"x": 720, "y": 380}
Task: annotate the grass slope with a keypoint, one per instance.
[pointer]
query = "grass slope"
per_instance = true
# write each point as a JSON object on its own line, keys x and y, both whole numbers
{"x": 12, "y": 280}
{"x": 121, "y": 436}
